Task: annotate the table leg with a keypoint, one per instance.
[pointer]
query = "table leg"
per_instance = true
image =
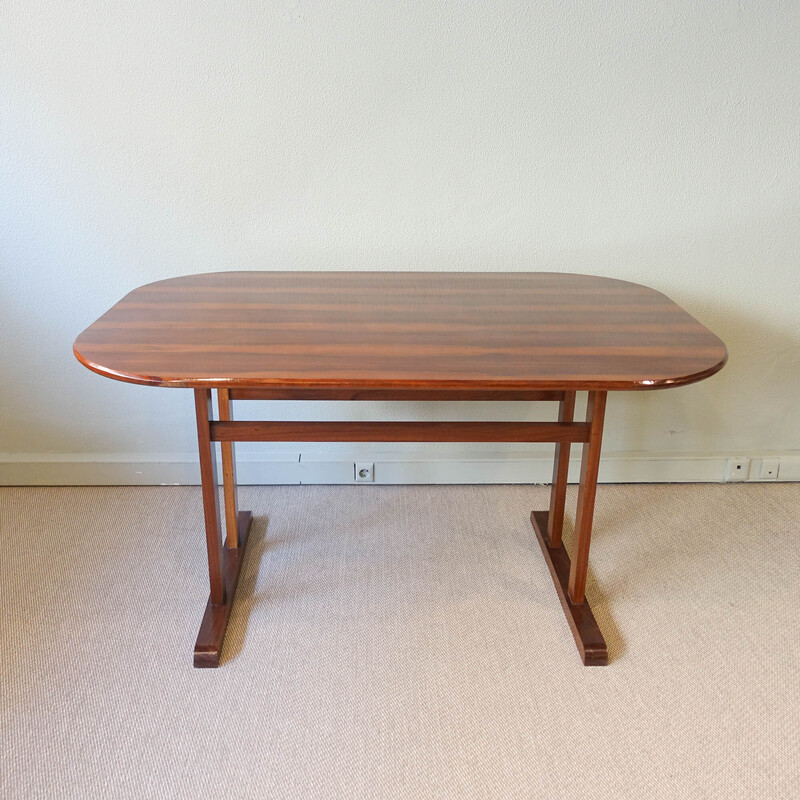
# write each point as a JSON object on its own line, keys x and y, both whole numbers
{"x": 208, "y": 480}
{"x": 228, "y": 473}
{"x": 590, "y": 464}
{"x": 558, "y": 490}
{"x": 570, "y": 578}
{"x": 224, "y": 562}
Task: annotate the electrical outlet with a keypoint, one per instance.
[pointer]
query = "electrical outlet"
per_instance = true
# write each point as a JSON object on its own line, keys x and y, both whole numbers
{"x": 364, "y": 471}
{"x": 737, "y": 469}
{"x": 768, "y": 469}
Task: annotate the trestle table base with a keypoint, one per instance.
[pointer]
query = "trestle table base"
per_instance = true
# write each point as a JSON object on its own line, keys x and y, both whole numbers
{"x": 225, "y": 559}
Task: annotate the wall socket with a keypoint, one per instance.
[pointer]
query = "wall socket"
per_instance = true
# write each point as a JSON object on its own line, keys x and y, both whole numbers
{"x": 737, "y": 469}
{"x": 766, "y": 469}
{"x": 364, "y": 471}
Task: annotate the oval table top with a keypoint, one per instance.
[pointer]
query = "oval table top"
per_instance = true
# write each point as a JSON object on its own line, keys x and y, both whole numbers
{"x": 409, "y": 330}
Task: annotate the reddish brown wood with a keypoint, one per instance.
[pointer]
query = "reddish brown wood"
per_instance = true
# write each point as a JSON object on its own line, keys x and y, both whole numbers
{"x": 416, "y": 395}
{"x": 208, "y": 478}
{"x": 590, "y": 465}
{"x": 381, "y": 330}
{"x": 208, "y": 647}
{"x": 402, "y": 336}
{"x": 558, "y": 489}
{"x": 399, "y": 432}
{"x": 228, "y": 473}
{"x": 591, "y": 644}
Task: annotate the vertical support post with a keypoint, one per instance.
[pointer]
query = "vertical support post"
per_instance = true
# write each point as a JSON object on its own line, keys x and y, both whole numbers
{"x": 229, "y": 474}
{"x": 208, "y": 477}
{"x": 558, "y": 490}
{"x": 590, "y": 463}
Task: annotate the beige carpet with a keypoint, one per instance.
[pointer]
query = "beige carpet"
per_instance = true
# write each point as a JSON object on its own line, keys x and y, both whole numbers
{"x": 400, "y": 642}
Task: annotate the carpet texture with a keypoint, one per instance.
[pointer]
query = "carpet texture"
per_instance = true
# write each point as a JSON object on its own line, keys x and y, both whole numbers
{"x": 400, "y": 642}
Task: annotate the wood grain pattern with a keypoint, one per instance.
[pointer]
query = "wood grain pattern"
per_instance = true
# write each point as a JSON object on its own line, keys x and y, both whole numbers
{"x": 412, "y": 330}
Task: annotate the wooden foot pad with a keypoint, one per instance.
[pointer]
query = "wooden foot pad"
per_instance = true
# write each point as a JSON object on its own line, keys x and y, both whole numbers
{"x": 208, "y": 646}
{"x": 587, "y": 635}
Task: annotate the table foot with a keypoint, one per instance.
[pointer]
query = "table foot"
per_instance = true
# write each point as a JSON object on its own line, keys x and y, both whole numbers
{"x": 591, "y": 644}
{"x": 208, "y": 646}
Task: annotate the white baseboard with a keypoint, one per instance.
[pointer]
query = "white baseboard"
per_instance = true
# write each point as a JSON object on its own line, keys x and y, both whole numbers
{"x": 403, "y": 468}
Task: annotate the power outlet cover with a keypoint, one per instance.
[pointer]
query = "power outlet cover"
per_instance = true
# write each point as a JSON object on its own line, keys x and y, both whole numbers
{"x": 364, "y": 471}
{"x": 737, "y": 469}
{"x": 768, "y": 471}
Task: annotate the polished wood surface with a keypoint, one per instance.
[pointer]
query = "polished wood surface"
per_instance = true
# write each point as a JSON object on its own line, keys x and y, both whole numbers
{"x": 585, "y": 631}
{"x": 400, "y": 336}
{"x": 412, "y": 330}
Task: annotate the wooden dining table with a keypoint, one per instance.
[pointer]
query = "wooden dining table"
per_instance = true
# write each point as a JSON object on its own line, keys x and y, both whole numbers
{"x": 420, "y": 336}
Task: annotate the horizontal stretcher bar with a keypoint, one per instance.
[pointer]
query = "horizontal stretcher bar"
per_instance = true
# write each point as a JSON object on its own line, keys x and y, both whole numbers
{"x": 400, "y": 431}
{"x": 395, "y": 394}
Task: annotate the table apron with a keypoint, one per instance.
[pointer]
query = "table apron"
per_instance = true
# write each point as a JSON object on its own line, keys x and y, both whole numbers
{"x": 416, "y": 395}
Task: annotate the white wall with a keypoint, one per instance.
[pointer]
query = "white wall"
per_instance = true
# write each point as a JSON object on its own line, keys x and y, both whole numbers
{"x": 657, "y": 142}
